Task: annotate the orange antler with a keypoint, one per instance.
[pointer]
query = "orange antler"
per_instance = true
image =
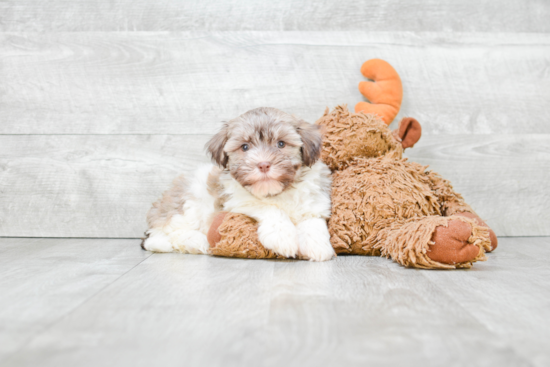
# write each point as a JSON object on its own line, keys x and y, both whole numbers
{"x": 384, "y": 93}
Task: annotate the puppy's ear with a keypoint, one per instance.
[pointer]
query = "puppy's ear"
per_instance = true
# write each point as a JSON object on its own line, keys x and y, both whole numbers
{"x": 311, "y": 139}
{"x": 215, "y": 147}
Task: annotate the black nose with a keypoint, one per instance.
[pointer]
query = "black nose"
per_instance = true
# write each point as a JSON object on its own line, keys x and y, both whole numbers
{"x": 264, "y": 166}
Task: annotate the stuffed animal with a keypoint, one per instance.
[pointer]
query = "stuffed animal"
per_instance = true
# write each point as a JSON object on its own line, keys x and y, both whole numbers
{"x": 382, "y": 204}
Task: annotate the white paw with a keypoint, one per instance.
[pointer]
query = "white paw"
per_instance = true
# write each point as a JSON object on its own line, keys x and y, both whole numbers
{"x": 279, "y": 237}
{"x": 189, "y": 241}
{"x": 157, "y": 242}
{"x": 314, "y": 240}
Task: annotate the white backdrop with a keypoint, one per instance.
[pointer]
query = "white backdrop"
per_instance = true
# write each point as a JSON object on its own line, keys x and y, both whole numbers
{"x": 102, "y": 103}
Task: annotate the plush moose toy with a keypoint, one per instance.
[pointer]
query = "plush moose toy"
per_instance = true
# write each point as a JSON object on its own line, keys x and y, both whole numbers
{"x": 382, "y": 204}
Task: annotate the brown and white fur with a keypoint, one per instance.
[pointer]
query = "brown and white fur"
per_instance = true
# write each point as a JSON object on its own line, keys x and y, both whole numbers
{"x": 267, "y": 167}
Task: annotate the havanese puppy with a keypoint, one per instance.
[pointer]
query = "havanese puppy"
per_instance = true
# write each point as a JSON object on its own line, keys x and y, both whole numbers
{"x": 267, "y": 167}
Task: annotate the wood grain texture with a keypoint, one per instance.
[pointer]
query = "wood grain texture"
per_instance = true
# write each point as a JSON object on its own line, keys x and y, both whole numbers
{"x": 503, "y": 177}
{"x": 195, "y": 301}
{"x": 195, "y": 310}
{"x": 88, "y": 186}
{"x": 282, "y": 15}
{"x": 43, "y": 280}
{"x": 187, "y": 82}
{"x": 523, "y": 287}
{"x": 102, "y": 186}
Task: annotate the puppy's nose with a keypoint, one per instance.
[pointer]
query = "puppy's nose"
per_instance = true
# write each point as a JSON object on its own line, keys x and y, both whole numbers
{"x": 264, "y": 166}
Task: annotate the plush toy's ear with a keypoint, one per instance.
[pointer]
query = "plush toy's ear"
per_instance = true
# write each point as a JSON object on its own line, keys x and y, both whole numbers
{"x": 215, "y": 147}
{"x": 409, "y": 132}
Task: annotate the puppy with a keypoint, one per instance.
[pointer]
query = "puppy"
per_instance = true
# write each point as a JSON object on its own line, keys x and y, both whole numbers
{"x": 267, "y": 167}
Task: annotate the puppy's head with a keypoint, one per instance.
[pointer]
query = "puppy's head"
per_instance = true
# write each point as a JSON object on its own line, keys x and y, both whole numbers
{"x": 265, "y": 148}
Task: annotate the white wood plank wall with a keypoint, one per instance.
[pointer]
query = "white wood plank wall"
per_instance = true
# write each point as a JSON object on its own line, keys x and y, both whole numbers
{"x": 103, "y": 103}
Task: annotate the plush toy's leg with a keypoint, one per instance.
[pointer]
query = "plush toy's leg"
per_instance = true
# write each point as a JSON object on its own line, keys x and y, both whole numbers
{"x": 452, "y": 203}
{"x": 435, "y": 242}
{"x": 492, "y": 235}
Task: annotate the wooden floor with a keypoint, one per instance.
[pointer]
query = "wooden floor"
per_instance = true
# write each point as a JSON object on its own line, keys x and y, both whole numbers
{"x": 105, "y": 302}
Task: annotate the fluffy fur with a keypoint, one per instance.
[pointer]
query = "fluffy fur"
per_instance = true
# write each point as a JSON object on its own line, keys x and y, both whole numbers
{"x": 268, "y": 168}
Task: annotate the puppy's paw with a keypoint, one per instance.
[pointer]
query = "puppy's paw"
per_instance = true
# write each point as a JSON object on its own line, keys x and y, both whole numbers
{"x": 157, "y": 241}
{"x": 279, "y": 237}
{"x": 315, "y": 252}
{"x": 314, "y": 240}
{"x": 189, "y": 241}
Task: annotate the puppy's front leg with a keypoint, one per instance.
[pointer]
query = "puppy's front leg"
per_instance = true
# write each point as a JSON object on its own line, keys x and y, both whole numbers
{"x": 314, "y": 240}
{"x": 275, "y": 231}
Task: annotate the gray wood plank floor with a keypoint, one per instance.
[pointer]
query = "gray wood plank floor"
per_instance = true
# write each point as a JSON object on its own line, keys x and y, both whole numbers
{"x": 70, "y": 302}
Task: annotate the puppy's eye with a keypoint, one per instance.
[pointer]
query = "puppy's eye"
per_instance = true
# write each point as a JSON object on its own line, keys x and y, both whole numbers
{"x": 281, "y": 144}
{"x": 245, "y": 147}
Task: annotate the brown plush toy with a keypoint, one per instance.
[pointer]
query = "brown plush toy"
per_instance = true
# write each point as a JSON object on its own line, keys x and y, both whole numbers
{"x": 382, "y": 204}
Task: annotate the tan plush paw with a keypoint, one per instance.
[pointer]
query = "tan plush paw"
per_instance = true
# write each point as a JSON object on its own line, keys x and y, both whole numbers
{"x": 214, "y": 235}
{"x": 451, "y": 244}
{"x": 492, "y": 235}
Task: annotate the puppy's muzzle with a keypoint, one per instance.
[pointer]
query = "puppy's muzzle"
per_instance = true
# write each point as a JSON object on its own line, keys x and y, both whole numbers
{"x": 264, "y": 167}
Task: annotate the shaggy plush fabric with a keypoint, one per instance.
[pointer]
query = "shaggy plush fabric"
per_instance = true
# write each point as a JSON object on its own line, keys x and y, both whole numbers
{"x": 370, "y": 195}
{"x": 451, "y": 201}
{"x": 348, "y": 136}
{"x": 239, "y": 238}
{"x": 408, "y": 242}
{"x": 382, "y": 204}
